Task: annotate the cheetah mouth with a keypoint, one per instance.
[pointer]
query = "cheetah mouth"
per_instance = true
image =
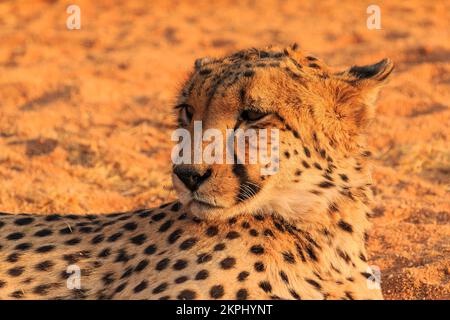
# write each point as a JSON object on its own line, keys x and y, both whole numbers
{"x": 204, "y": 203}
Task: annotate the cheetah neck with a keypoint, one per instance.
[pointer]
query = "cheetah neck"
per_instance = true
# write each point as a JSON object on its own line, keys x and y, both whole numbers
{"x": 333, "y": 246}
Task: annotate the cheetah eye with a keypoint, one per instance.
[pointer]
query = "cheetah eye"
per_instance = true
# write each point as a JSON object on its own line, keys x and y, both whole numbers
{"x": 186, "y": 113}
{"x": 252, "y": 115}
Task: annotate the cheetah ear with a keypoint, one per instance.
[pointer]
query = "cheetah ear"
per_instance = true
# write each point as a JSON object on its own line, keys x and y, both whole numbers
{"x": 370, "y": 79}
{"x": 377, "y": 72}
{"x": 357, "y": 107}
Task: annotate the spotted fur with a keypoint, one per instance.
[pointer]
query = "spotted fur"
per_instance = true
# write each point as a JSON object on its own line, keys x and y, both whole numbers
{"x": 233, "y": 234}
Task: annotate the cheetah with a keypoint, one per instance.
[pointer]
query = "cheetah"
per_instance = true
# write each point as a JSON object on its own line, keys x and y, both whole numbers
{"x": 233, "y": 233}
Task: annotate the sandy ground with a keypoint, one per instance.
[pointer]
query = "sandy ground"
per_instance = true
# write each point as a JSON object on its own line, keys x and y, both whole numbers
{"x": 85, "y": 115}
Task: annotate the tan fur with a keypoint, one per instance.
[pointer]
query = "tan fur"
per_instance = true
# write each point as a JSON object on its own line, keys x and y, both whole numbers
{"x": 299, "y": 234}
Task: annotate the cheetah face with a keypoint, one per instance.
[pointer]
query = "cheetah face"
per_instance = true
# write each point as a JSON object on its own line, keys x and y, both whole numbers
{"x": 319, "y": 117}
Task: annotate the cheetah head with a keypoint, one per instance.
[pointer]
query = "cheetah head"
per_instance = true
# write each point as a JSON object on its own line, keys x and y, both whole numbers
{"x": 320, "y": 117}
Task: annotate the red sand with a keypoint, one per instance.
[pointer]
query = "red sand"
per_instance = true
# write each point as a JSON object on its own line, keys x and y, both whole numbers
{"x": 85, "y": 115}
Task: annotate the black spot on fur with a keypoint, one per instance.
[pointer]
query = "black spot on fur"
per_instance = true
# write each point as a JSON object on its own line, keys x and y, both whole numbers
{"x": 174, "y": 236}
{"x": 121, "y": 287}
{"x": 115, "y": 237}
{"x": 257, "y": 249}
{"x": 15, "y": 236}
{"x": 159, "y": 216}
{"x": 13, "y": 257}
{"x": 141, "y": 265}
{"x": 232, "y": 235}
{"x": 16, "y": 271}
{"x": 317, "y": 166}
{"x": 203, "y": 258}
{"x": 181, "y": 279}
{"x": 284, "y": 277}
{"x": 176, "y": 206}
{"x": 242, "y": 294}
{"x": 362, "y": 257}
{"x": 349, "y": 295}
{"x": 288, "y": 257}
{"x": 23, "y": 221}
{"x": 141, "y": 286}
{"x": 127, "y": 273}
{"x": 45, "y": 249}
{"x": 259, "y": 217}
{"x": 326, "y": 184}
{"x": 161, "y": 265}
{"x": 151, "y": 249}
{"x": 18, "y": 294}
{"x": 85, "y": 230}
{"x": 123, "y": 256}
{"x": 162, "y": 287}
{"x": 243, "y": 275}
{"x": 219, "y": 247}
{"x": 307, "y": 152}
{"x": 72, "y": 242}
{"x": 104, "y": 253}
{"x": 44, "y": 265}
{"x": 108, "y": 278}
{"x": 212, "y": 231}
{"x": 259, "y": 266}
{"x": 180, "y": 264}
{"x": 165, "y": 226}
{"x": 65, "y": 230}
{"x": 216, "y": 291}
{"x": 202, "y": 275}
{"x": 187, "y": 244}
{"x": 186, "y": 295}
{"x": 314, "y": 283}
{"x": 43, "y": 233}
{"x": 266, "y": 286}
{"x": 53, "y": 217}
{"x": 294, "y": 294}
{"x": 130, "y": 226}
{"x": 311, "y": 253}
{"x": 205, "y": 72}
{"x": 97, "y": 239}
{"x": 345, "y": 226}
{"x": 42, "y": 289}
{"x": 249, "y": 73}
{"x": 228, "y": 263}
{"x": 23, "y": 246}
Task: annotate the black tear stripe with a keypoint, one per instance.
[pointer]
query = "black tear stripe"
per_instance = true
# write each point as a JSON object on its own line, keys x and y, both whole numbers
{"x": 247, "y": 188}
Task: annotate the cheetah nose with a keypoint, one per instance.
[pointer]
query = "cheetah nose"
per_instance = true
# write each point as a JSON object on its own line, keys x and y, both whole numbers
{"x": 191, "y": 178}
